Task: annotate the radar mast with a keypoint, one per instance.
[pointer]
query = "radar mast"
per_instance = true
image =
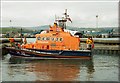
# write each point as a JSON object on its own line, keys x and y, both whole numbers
{"x": 62, "y": 22}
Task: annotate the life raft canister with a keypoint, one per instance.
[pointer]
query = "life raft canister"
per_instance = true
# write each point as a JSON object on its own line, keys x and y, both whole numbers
{"x": 47, "y": 46}
{"x": 42, "y": 46}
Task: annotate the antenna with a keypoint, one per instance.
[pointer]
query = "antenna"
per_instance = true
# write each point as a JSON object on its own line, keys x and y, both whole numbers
{"x": 67, "y": 16}
{"x": 65, "y": 13}
{"x": 55, "y": 18}
{"x": 63, "y": 20}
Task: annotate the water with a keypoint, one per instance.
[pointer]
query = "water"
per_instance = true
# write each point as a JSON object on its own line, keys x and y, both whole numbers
{"x": 102, "y": 67}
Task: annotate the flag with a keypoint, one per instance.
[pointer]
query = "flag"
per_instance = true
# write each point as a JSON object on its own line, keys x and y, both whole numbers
{"x": 69, "y": 20}
{"x": 10, "y": 20}
{"x": 96, "y": 16}
{"x": 65, "y": 13}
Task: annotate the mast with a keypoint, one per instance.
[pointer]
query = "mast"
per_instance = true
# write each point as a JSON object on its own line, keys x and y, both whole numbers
{"x": 62, "y": 22}
{"x": 66, "y": 14}
{"x": 21, "y": 35}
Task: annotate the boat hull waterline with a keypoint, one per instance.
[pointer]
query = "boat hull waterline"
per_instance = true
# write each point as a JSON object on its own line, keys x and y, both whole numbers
{"x": 49, "y": 53}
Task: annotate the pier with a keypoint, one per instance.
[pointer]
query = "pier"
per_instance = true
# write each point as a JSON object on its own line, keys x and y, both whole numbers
{"x": 5, "y": 42}
{"x": 104, "y": 46}
{"x": 103, "y": 49}
{"x": 106, "y": 49}
{"x": 102, "y": 41}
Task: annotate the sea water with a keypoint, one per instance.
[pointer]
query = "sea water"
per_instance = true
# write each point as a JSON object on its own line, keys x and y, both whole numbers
{"x": 102, "y": 67}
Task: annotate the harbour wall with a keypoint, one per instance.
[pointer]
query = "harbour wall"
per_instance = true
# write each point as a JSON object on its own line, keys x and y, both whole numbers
{"x": 102, "y": 46}
{"x": 5, "y": 42}
{"x": 101, "y": 41}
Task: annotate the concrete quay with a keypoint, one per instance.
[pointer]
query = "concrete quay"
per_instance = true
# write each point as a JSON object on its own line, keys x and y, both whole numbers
{"x": 5, "y": 42}
{"x": 101, "y": 41}
{"x": 102, "y": 48}
{"x": 103, "y": 45}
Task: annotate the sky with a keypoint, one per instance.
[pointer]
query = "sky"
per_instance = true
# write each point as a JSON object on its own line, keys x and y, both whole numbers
{"x": 37, "y": 13}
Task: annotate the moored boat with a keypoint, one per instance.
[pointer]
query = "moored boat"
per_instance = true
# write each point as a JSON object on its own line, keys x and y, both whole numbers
{"x": 53, "y": 43}
{"x": 49, "y": 53}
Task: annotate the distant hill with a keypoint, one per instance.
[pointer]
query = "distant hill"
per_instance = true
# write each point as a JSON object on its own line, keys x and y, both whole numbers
{"x": 4, "y": 30}
{"x": 45, "y": 27}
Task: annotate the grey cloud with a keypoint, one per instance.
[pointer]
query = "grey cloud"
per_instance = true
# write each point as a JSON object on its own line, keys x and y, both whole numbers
{"x": 41, "y": 13}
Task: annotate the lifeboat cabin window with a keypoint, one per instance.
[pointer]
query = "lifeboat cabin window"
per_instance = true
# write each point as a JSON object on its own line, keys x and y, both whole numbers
{"x": 38, "y": 38}
{"x": 61, "y": 39}
{"x": 47, "y": 38}
{"x": 43, "y": 38}
{"x": 53, "y": 39}
{"x": 57, "y": 39}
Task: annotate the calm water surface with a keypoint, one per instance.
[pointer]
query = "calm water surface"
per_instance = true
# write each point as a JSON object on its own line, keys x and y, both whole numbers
{"x": 102, "y": 67}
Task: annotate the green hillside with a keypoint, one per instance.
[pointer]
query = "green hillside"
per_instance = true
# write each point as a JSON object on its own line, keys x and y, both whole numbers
{"x": 45, "y": 27}
{"x": 5, "y": 30}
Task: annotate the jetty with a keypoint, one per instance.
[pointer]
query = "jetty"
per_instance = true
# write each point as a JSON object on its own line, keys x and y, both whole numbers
{"x": 103, "y": 41}
{"x": 6, "y": 42}
{"x": 104, "y": 45}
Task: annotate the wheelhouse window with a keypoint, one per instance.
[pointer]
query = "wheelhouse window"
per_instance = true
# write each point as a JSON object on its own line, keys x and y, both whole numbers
{"x": 53, "y": 39}
{"x": 43, "y": 38}
{"x": 38, "y": 38}
{"x": 50, "y": 38}
{"x": 61, "y": 39}
{"x": 47, "y": 38}
{"x": 57, "y": 39}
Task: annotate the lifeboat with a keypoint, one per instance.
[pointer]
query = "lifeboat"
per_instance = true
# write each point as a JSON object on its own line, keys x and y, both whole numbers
{"x": 57, "y": 42}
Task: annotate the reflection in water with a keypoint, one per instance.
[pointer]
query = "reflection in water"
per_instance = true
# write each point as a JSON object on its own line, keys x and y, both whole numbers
{"x": 53, "y": 70}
